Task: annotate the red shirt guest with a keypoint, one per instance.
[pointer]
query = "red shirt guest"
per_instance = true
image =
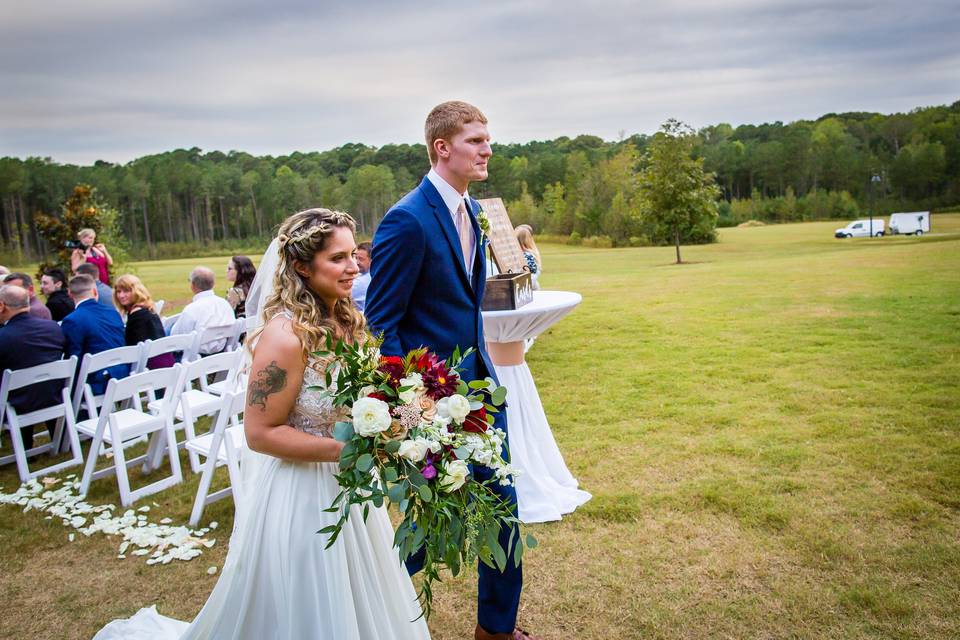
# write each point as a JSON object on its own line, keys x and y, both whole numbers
{"x": 93, "y": 252}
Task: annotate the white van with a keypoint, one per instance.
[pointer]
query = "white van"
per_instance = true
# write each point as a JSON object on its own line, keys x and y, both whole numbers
{"x": 860, "y": 229}
{"x": 914, "y": 223}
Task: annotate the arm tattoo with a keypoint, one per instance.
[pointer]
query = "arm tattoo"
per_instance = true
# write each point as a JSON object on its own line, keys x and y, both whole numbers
{"x": 271, "y": 379}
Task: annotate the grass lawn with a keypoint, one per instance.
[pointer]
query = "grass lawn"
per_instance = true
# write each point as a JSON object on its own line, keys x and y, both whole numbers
{"x": 770, "y": 433}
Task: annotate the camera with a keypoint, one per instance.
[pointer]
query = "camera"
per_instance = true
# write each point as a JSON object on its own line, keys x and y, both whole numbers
{"x": 73, "y": 244}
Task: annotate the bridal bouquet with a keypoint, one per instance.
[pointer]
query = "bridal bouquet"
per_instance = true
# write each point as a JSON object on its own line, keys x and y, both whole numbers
{"x": 418, "y": 432}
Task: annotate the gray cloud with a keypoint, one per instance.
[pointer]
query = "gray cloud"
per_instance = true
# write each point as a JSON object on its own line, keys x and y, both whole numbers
{"x": 114, "y": 80}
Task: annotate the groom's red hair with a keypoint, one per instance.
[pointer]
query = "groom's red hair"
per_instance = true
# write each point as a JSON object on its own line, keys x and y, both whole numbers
{"x": 446, "y": 120}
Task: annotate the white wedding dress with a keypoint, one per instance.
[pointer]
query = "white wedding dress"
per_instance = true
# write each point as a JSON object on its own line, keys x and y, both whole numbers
{"x": 278, "y": 580}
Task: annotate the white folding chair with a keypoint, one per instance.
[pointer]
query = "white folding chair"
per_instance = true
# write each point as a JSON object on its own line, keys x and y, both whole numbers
{"x": 62, "y": 412}
{"x": 225, "y": 332}
{"x": 158, "y": 306}
{"x": 117, "y": 426}
{"x": 196, "y": 400}
{"x": 93, "y": 363}
{"x": 235, "y": 380}
{"x": 220, "y": 447}
{"x": 171, "y": 344}
{"x": 169, "y": 321}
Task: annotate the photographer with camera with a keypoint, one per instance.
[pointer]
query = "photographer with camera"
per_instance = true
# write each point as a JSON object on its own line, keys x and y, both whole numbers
{"x": 88, "y": 250}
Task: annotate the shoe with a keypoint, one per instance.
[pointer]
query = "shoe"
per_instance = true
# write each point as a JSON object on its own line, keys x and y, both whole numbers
{"x": 517, "y": 634}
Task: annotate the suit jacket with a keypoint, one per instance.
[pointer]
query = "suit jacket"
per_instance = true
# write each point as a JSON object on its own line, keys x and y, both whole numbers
{"x": 93, "y": 328}
{"x": 26, "y": 341}
{"x": 420, "y": 293}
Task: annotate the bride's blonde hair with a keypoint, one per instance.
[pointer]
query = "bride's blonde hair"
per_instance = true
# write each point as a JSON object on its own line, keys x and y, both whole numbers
{"x": 300, "y": 238}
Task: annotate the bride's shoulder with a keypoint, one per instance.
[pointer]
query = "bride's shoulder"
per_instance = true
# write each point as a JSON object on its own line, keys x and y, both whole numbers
{"x": 280, "y": 337}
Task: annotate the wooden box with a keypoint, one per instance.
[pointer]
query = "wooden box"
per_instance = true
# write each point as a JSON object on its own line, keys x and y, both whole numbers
{"x": 507, "y": 291}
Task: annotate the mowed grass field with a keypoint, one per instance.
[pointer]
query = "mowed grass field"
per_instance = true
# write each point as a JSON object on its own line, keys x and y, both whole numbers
{"x": 771, "y": 434}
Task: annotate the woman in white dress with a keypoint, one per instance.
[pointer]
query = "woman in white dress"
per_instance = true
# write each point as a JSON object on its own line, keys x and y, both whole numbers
{"x": 278, "y": 580}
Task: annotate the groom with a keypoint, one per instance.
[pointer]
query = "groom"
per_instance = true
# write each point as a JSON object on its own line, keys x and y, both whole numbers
{"x": 426, "y": 285}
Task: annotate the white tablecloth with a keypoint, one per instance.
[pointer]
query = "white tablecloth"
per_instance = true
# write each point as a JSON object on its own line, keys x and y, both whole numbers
{"x": 532, "y": 319}
{"x": 546, "y": 490}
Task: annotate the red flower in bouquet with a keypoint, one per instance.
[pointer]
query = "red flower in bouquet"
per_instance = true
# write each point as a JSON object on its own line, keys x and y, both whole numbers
{"x": 476, "y": 421}
{"x": 440, "y": 381}
{"x": 426, "y": 361}
{"x": 392, "y": 367}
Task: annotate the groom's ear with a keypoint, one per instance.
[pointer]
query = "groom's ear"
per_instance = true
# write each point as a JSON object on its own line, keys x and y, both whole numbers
{"x": 302, "y": 268}
{"x": 442, "y": 148}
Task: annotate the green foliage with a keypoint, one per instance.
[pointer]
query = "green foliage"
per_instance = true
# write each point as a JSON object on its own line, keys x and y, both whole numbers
{"x": 559, "y": 186}
{"x": 80, "y": 211}
{"x": 679, "y": 199}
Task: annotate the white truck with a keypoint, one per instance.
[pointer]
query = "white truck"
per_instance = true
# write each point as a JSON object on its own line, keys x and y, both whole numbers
{"x": 861, "y": 229}
{"x": 914, "y": 223}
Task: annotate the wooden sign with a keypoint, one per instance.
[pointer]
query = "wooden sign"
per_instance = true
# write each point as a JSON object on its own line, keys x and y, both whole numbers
{"x": 507, "y": 253}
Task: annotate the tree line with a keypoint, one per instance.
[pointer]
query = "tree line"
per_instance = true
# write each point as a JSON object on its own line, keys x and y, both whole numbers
{"x": 839, "y": 165}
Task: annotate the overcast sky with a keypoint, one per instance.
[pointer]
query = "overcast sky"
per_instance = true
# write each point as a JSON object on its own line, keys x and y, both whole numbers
{"x": 117, "y": 79}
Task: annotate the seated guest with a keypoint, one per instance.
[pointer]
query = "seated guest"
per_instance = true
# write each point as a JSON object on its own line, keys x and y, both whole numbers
{"x": 206, "y": 310}
{"x": 26, "y": 341}
{"x": 362, "y": 281}
{"x": 93, "y": 328}
{"x": 104, "y": 292}
{"x": 19, "y": 279}
{"x": 241, "y": 272}
{"x": 53, "y": 285}
{"x": 143, "y": 323}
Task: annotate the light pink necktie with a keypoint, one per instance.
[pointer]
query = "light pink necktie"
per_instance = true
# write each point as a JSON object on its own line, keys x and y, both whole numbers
{"x": 465, "y": 231}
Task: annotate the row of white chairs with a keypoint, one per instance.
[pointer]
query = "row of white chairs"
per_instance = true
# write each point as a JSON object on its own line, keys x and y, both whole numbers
{"x": 148, "y": 403}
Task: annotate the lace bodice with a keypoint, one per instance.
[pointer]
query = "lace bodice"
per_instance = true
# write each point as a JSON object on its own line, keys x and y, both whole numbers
{"x": 313, "y": 412}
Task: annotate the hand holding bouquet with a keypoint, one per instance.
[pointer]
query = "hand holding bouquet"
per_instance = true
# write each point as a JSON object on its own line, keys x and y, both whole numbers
{"x": 417, "y": 432}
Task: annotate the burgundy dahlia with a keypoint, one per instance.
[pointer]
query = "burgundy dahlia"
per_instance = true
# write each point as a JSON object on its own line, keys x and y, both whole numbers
{"x": 440, "y": 381}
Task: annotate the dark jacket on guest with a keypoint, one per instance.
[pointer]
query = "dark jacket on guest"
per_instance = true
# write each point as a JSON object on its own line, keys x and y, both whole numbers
{"x": 142, "y": 325}
{"x": 60, "y": 305}
{"x": 93, "y": 328}
{"x": 26, "y": 341}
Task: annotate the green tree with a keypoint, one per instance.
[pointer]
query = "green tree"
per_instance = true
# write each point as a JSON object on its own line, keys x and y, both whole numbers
{"x": 676, "y": 193}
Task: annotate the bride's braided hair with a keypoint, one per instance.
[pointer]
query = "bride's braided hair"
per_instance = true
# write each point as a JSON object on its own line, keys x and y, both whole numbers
{"x": 300, "y": 237}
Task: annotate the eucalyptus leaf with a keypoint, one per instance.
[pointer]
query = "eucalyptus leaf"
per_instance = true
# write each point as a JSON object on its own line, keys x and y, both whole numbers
{"x": 392, "y": 447}
{"x": 365, "y": 462}
{"x": 343, "y": 431}
{"x": 425, "y": 493}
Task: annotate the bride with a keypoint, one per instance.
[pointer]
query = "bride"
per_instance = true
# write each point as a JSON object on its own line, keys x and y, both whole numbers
{"x": 278, "y": 580}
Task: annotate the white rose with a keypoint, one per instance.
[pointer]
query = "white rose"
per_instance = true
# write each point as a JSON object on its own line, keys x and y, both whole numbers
{"x": 456, "y": 407}
{"x": 367, "y": 390}
{"x": 370, "y": 416}
{"x": 414, "y": 380}
{"x": 455, "y": 475}
{"x": 414, "y": 450}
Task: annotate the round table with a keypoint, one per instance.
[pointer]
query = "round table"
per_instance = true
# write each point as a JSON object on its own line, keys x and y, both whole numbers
{"x": 545, "y": 488}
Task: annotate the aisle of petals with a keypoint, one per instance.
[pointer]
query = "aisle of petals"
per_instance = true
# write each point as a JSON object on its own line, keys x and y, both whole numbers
{"x": 161, "y": 542}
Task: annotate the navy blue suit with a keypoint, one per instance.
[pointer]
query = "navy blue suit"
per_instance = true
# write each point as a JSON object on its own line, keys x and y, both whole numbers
{"x": 420, "y": 295}
{"x": 27, "y": 341}
{"x": 93, "y": 328}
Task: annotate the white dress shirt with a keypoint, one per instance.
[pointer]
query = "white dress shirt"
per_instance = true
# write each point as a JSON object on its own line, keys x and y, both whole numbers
{"x": 453, "y": 198}
{"x": 360, "y": 285}
{"x": 207, "y": 310}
